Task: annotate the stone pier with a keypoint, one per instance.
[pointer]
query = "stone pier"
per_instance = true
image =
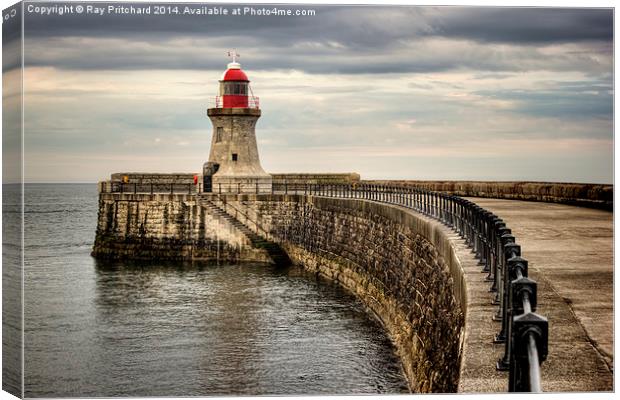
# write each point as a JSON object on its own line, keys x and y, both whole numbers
{"x": 415, "y": 274}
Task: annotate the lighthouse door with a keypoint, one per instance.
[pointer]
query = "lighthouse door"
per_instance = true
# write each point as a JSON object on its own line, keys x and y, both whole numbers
{"x": 208, "y": 170}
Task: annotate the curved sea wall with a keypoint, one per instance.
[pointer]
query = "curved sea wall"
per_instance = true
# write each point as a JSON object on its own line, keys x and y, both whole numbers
{"x": 578, "y": 194}
{"x": 402, "y": 265}
{"x": 399, "y": 264}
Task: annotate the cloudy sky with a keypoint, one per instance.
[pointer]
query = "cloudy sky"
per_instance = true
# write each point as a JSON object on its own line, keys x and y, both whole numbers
{"x": 389, "y": 92}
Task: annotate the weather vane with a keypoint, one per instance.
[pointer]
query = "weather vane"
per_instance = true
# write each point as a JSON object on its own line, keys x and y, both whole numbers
{"x": 233, "y": 53}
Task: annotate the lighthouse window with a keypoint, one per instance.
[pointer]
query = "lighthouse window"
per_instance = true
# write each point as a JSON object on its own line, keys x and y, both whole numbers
{"x": 218, "y": 134}
{"x": 236, "y": 89}
{"x": 234, "y": 157}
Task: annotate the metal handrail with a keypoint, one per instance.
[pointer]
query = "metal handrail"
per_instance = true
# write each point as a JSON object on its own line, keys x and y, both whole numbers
{"x": 147, "y": 188}
{"x": 241, "y": 188}
{"x": 253, "y": 102}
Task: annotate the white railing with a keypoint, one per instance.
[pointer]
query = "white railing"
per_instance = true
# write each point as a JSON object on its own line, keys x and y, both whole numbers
{"x": 253, "y": 102}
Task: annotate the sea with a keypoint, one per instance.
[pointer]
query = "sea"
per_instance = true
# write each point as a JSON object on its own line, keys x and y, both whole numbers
{"x": 103, "y": 329}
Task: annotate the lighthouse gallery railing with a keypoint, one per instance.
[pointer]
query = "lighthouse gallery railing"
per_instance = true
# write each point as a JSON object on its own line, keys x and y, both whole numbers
{"x": 523, "y": 332}
{"x": 253, "y": 101}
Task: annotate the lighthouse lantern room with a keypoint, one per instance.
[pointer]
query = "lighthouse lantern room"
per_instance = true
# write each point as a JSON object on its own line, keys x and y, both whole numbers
{"x": 235, "y": 91}
{"x": 234, "y": 165}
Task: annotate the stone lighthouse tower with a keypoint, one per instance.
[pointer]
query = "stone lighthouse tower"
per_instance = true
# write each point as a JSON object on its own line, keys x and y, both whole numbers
{"x": 234, "y": 165}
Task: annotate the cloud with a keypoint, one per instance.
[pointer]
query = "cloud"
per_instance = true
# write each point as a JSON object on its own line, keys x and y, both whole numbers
{"x": 531, "y": 25}
{"x": 419, "y": 56}
{"x": 349, "y": 26}
{"x": 392, "y": 92}
{"x": 350, "y": 40}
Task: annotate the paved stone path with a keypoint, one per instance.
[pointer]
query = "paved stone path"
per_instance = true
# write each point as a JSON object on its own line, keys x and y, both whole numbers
{"x": 570, "y": 254}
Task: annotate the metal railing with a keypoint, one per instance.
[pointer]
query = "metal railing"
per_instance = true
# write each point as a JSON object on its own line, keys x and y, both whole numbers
{"x": 253, "y": 101}
{"x": 148, "y": 188}
{"x": 240, "y": 188}
{"x": 523, "y": 333}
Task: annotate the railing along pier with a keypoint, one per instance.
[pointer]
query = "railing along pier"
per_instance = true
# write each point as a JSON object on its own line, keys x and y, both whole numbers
{"x": 147, "y": 188}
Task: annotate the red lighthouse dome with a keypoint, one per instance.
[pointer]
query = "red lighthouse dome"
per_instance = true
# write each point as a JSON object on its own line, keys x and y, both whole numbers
{"x": 235, "y": 74}
{"x": 235, "y": 87}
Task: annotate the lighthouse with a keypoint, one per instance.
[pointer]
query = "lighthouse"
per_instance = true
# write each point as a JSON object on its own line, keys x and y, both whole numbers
{"x": 234, "y": 165}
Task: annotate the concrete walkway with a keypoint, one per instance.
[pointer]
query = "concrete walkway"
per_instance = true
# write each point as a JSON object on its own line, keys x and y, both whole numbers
{"x": 570, "y": 254}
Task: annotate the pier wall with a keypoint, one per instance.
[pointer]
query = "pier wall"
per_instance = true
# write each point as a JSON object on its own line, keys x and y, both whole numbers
{"x": 166, "y": 227}
{"x": 589, "y": 195}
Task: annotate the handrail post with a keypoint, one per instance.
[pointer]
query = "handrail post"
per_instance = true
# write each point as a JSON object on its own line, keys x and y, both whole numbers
{"x": 509, "y": 249}
{"x": 505, "y": 240}
{"x": 461, "y": 217}
{"x": 530, "y": 338}
{"x": 529, "y": 333}
{"x": 474, "y": 229}
{"x": 489, "y": 237}
{"x": 466, "y": 222}
{"x": 417, "y": 195}
{"x": 440, "y": 206}
{"x": 499, "y": 270}
{"x": 516, "y": 267}
{"x": 409, "y": 197}
{"x": 497, "y": 231}
{"x": 431, "y": 203}
{"x": 449, "y": 210}
{"x": 477, "y": 233}
{"x": 481, "y": 237}
{"x": 418, "y": 199}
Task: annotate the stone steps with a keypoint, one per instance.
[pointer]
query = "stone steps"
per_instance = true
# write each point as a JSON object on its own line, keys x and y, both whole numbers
{"x": 279, "y": 256}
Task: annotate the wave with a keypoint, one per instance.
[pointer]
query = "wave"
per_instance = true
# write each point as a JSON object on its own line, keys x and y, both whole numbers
{"x": 65, "y": 245}
{"x": 77, "y": 210}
